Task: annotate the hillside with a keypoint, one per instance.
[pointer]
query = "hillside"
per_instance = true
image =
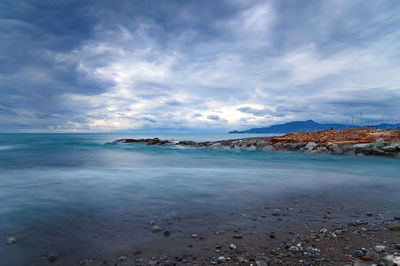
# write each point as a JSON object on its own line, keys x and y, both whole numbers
{"x": 307, "y": 126}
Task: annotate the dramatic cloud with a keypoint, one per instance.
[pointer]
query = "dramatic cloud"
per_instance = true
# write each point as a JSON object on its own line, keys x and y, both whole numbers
{"x": 143, "y": 65}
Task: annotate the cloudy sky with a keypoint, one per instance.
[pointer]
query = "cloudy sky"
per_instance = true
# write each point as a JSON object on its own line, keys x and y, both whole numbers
{"x": 205, "y": 65}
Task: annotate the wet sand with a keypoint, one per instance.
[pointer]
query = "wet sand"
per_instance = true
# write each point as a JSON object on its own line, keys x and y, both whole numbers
{"x": 316, "y": 228}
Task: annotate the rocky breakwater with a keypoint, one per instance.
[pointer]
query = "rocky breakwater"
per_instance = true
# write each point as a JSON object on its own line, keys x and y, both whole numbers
{"x": 340, "y": 142}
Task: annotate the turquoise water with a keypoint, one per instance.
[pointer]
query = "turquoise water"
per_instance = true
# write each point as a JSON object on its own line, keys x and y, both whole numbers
{"x": 75, "y": 194}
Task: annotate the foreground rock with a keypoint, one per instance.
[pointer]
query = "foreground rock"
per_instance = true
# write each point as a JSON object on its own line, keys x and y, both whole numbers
{"x": 340, "y": 142}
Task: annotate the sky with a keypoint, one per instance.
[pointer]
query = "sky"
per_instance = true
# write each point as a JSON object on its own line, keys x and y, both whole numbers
{"x": 211, "y": 65}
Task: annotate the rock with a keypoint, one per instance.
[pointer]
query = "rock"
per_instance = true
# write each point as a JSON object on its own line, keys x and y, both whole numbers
{"x": 309, "y": 147}
{"x": 167, "y": 234}
{"x": 358, "y": 254}
{"x": 221, "y": 259}
{"x": 195, "y": 235}
{"x": 84, "y": 262}
{"x": 268, "y": 147}
{"x": 218, "y": 246}
{"x": 372, "y": 255}
{"x": 364, "y": 263}
{"x": 397, "y": 245}
{"x": 276, "y": 212}
{"x": 379, "y": 248}
{"x": 272, "y": 235}
{"x": 52, "y": 257}
{"x": 307, "y": 263}
{"x": 388, "y": 259}
{"x": 156, "y": 229}
{"x": 397, "y": 218}
{"x": 232, "y": 246}
{"x": 122, "y": 258}
{"x": 152, "y": 262}
{"x": 261, "y": 263}
{"x": 11, "y": 240}
{"x": 395, "y": 228}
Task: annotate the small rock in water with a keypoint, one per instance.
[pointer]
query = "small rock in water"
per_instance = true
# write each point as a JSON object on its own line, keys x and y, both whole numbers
{"x": 397, "y": 217}
{"x": 221, "y": 259}
{"x": 397, "y": 245}
{"x": 84, "y": 262}
{"x": 276, "y": 212}
{"x": 153, "y": 263}
{"x": 156, "y": 229}
{"x": 122, "y": 258}
{"x": 11, "y": 240}
{"x": 218, "y": 246}
{"x": 53, "y": 256}
{"x": 232, "y": 246}
{"x": 272, "y": 235}
{"x": 167, "y": 233}
{"x": 379, "y": 248}
{"x": 195, "y": 235}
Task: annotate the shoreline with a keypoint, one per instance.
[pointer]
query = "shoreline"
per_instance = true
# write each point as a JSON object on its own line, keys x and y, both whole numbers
{"x": 293, "y": 232}
{"x": 358, "y": 142}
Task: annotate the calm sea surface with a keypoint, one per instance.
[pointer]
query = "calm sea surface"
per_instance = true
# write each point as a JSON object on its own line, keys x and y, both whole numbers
{"x": 75, "y": 194}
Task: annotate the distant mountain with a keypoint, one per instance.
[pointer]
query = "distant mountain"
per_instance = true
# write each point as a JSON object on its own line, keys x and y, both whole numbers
{"x": 306, "y": 126}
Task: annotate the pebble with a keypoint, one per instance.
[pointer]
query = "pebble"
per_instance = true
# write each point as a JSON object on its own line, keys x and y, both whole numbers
{"x": 156, "y": 229}
{"x": 261, "y": 263}
{"x": 195, "y": 235}
{"x": 276, "y": 212}
{"x": 11, "y": 240}
{"x": 122, "y": 258}
{"x": 167, "y": 233}
{"x": 397, "y": 245}
{"x": 395, "y": 228}
{"x": 84, "y": 262}
{"x": 153, "y": 263}
{"x": 232, "y": 246}
{"x": 218, "y": 246}
{"x": 52, "y": 257}
{"x": 221, "y": 259}
{"x": 272, "y": 235}
{"x": 388, "y": 259}
{"x": 358, "y": 254}
{"x": 379, "y": 248}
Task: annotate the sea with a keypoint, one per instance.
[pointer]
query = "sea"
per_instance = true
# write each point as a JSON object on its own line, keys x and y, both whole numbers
{"x": 78, "y": 195}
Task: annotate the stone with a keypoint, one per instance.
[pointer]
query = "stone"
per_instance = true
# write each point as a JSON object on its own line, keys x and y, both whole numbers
{"x": 388, "y": 259}
{"x": 167, "y": 234}
{"x": 122, "y": 258}
{"x": 379, "y": 248}
{"x": 232, "y": 246}
{"x": 358, "y": 254}
{"x": 152, "y": 263}
{"x": 11, "y": 240}
{"x": 52, "y": 257}
{"x": 84, "y": 262}
{"x": 195, "y": 235}
{"x": 261, "y": 263}
{"x": 156, "y": 229}
{"x": 276, "y": 212}
{"x": 218, "y": 246}
{"x": 310, "y": 146}
{"x": 221, "y": 259}
{"x": 397, "y": 245}
{"x": 395, "y": 228}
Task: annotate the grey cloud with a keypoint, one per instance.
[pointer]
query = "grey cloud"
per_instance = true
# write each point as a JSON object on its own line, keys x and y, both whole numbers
{"x": 87, "y": 64}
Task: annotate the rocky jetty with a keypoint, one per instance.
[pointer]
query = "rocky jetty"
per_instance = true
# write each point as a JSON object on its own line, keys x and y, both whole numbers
{"x": 359, "y": 142}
